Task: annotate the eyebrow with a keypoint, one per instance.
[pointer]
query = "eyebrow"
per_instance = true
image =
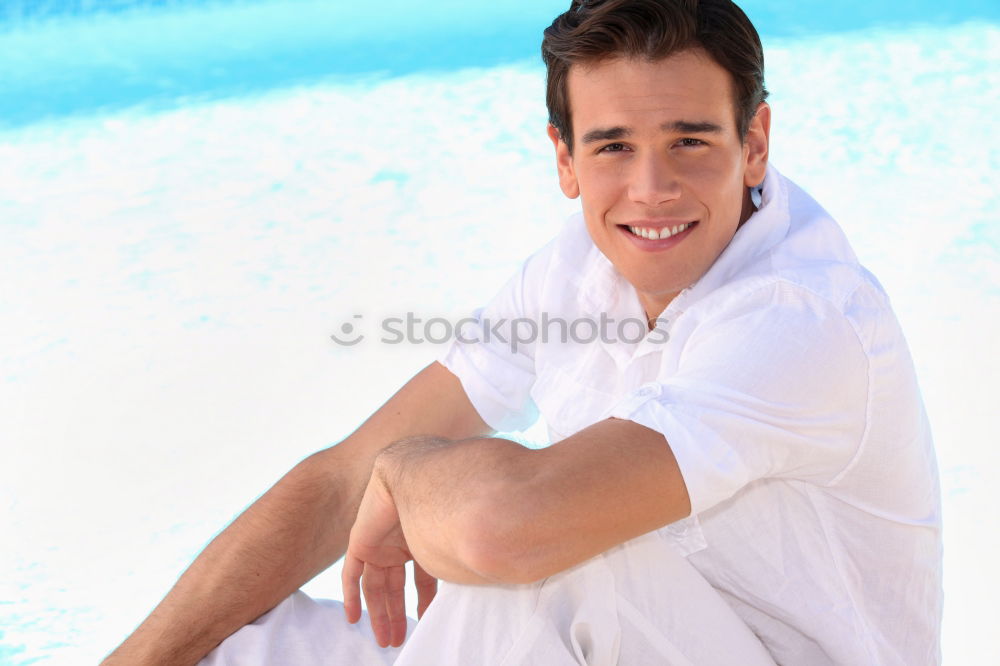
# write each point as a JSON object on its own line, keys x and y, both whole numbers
{"x": 605, "y": 134}
{"x": 681, "y": 126}
{"x": 688, "y": 127}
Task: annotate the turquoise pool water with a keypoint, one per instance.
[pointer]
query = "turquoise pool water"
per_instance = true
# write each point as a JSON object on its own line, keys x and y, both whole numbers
{"x": 64, "y": 57}
{"x": 193, "y": 196}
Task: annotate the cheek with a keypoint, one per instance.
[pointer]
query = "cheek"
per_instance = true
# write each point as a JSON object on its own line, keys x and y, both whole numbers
{"x": 600, "y": 177}
{"x": 596, "y": 228}
{"x": 599, "y": 194}
{"x": 715, "y": 169}
{"x": 719, "y": 184}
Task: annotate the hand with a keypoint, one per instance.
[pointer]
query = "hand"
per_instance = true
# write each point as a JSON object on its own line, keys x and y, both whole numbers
{"x": 376, "y": 555}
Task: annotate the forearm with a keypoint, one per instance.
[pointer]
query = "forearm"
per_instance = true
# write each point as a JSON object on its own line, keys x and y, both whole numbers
{"x": 489, "y": 510}
{"x": 446, "y": 493}
{"x": 294, "y": 531}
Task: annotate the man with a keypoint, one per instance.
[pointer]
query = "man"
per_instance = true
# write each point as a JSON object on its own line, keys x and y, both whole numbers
{"x": 751, "y": 481}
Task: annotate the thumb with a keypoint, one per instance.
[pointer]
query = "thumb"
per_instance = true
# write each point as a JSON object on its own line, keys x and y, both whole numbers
{"x": 426, "y": 585}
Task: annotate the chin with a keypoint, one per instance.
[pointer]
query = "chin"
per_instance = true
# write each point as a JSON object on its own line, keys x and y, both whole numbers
{"x": 656, "y": 291}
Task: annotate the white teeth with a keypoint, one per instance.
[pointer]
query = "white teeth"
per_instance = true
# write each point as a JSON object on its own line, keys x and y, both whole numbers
{"x": 653, "y": 234}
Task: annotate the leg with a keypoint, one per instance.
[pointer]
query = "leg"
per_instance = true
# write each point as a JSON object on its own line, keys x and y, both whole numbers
{"x": 304, "y": 632}
{"x": 640, "y": 603}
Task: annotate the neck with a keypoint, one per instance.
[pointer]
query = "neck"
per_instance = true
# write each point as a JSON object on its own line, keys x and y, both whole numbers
{"x": 653, "y": 308}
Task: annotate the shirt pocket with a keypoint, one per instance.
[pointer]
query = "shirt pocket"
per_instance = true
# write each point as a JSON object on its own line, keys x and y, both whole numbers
{"x": 567, "y": 404}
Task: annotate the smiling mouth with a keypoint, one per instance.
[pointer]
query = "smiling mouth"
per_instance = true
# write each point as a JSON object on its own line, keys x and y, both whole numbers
{"x": 650, "y": 233}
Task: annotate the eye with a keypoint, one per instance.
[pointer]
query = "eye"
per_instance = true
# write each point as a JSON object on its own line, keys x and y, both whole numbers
{"x": 690, "y": 143}
{"x": 613, "y": 148}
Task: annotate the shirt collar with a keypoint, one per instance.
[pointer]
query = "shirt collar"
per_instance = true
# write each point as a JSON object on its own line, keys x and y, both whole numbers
{"x": 602, "y": 287}
{"x": 762, "y": 231}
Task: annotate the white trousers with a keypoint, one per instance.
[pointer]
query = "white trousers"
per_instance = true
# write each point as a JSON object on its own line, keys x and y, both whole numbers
{"x": 639, "y": 603}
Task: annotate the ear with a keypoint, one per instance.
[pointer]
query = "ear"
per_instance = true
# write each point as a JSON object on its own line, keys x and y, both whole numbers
{"x": 564, "y": 163}
{"x": 756, "y": 146}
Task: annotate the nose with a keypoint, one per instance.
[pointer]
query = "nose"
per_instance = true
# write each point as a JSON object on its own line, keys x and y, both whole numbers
{"x": 653, "y": 180}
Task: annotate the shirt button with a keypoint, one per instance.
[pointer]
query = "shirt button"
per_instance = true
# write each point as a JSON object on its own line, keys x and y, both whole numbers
{"x": 678, "y": 529}
{"x": 648, "y": 391}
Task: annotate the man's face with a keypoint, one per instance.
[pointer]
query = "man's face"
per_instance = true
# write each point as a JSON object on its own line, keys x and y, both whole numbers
{"x": 657, "y": 154}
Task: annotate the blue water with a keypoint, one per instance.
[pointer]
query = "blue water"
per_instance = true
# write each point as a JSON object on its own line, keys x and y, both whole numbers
{"x": 193, "y": 195}
{"x": 60, "y": 58}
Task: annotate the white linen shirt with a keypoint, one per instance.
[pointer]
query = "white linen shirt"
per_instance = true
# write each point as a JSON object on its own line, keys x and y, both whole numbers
{"x": 784, "y": 387}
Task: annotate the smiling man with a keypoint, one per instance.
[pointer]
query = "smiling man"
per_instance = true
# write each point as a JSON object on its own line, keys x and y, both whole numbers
{"x": 664, "y": 165}
{"x": 751, "y": 482}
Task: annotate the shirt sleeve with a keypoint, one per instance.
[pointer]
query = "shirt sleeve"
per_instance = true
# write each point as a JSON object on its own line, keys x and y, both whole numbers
{"x": 775, "y": 385}
{"x": 493, "y": 354}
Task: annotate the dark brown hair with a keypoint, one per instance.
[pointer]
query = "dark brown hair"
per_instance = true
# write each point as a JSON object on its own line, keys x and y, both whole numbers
{"x": 595, "y": 30}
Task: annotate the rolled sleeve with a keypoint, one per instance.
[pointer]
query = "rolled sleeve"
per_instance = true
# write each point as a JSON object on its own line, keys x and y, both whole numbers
{"x": 776, "y": 387}
{"x": 496, "y": 380}
{"x": 492, "y": 359}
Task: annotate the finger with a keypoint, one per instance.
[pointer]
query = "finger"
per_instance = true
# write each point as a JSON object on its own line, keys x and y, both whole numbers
{"x": 395, "y": 604}
{"x": 349, "y": 577}
{"x": 373, "y": 585}
{"x": 427, "y": 587}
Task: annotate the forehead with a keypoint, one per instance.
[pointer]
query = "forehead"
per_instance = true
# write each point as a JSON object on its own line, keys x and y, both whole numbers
{"x": 688, "y": 85}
